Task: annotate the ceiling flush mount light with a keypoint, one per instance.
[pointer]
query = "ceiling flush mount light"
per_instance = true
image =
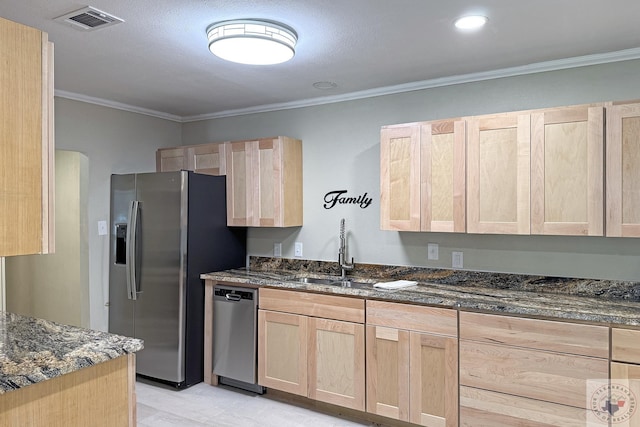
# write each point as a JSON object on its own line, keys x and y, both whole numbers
{"x": 470, "y": 22}
{"x": 250, "y": 41}
{"x": 324, "y": 85}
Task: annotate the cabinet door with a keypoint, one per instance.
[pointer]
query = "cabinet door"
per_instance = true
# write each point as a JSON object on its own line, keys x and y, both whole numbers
{"x": 276, "y": 182}
{"x": 267, "y": 191}
{"x": 434, "y": 380}
{"x": 498, "y": 152}
{"x": 240, "y": 164}
{"x": 623, "y": 171}
{"x": 171, "y": 159}
{"x": 625, "y": 390}
{"x": 567, "y": 171}
{"x": 280, "y": 202}
{"x": 442, "y": 177}
{"x": 388, "y": 372}
{"x": 208, "y": 159}
{"x": 282, "y": 351}
{"x": 400, "y": 178}
{"x": 26, "y": 140}
{"x": 336, "y": 362}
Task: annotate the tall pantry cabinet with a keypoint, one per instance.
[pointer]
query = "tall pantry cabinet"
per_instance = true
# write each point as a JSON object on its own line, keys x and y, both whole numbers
{"x": 26, "y": 140}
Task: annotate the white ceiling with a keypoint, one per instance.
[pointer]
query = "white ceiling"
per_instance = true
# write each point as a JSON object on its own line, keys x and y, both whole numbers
{"x": 158, "y": 62}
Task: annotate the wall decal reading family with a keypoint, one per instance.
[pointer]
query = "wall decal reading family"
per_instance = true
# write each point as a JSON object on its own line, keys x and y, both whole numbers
{"x": 335, "y": 197}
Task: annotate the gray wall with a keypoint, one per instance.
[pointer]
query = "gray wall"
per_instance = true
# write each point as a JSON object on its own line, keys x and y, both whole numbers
{"x": 55, "y": 286}
{"x": 114, "y": 141}
{"x": 341, "y": 151}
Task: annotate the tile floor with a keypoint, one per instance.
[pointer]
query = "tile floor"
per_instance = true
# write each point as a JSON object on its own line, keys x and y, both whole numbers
{"x": 203, "y": 405}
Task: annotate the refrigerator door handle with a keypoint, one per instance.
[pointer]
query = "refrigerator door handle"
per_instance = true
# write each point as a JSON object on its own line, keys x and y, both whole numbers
{"x": 132, "y": 227}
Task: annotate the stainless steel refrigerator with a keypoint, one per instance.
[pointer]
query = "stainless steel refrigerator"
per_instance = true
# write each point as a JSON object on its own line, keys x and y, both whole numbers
{"x": 167, "y": 228}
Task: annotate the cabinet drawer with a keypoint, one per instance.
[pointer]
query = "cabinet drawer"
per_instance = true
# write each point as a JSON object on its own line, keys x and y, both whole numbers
{"x": 585, "y": 340}
{"x": 625, "y": 345}
{"x": 310, "y": 304}
{"x": 482, "y": 408}
{"x": 552, "y": 377}
{"x": 412, "y": 317}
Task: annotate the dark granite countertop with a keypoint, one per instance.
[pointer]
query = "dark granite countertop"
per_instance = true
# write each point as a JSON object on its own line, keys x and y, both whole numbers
{"x": 598, "y": 301}
{"x": 34, "y": 350}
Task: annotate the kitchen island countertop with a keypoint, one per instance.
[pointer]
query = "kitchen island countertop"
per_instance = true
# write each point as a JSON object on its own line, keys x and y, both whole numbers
{"x": 34, "y": 350}
{"x": 598, "y": 301}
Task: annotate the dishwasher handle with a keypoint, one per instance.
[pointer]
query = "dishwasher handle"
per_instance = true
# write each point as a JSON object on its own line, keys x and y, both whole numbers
{"x": 233, "y": 297}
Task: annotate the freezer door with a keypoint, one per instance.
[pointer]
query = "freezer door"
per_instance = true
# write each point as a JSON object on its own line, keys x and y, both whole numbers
{"x": 160, "y": 304}
{"x": 121, "y": 307}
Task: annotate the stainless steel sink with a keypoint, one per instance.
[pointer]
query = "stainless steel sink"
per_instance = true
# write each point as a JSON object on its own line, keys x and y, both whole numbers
{"x": 335, "y": 281}
{"x": 315, "y": 280}
{"x": 350, "y": 283}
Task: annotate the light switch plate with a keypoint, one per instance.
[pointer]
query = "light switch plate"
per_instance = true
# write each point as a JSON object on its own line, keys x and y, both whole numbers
{"x": 432, "y": 251}
{"x": 298, "y": 249}
{"x": 102, "y": 228}
{"x": 277, "y": 249}
{"x": 456, "y": 259}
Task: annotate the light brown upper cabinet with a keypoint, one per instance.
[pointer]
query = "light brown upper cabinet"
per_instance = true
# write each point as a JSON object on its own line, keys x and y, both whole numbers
{"x": 567, "y": 171}
{"x": 264, "y": 182}
{"x": 623, "y": 171}
{"x": 422, "y": 176}
{"x": 171, "y": 159}
{"x": 498, "y": 172}
{"x": 400, "y": 178}
{"x": 207, "y": 159}
{"x": 26, "y": 141}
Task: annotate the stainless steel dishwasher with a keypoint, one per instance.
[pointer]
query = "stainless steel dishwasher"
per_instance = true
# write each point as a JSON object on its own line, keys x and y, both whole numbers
{"x": 235, "y": 338}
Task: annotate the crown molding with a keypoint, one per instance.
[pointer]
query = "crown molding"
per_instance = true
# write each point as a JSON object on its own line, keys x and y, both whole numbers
{"x": 116, "y": 105}
{"x": 539, "y": 67}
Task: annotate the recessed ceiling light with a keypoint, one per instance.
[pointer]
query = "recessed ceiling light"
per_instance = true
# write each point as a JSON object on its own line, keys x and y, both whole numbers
{"x": 250, "y": 41}
{"x": 471, "y": 22}
{"x": 325, "y": 85}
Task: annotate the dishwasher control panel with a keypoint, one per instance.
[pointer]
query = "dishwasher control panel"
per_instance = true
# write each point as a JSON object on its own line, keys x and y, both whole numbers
{"x": 238, "y": 294}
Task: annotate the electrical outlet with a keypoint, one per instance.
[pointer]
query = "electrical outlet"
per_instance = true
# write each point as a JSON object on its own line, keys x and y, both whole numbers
{"x": 102, "y": 228}
{"x": 298, "y": 249}
{"x": 432, "y": 251}
{"x": 456, "y": 259}
{"x": 277, "y": 249}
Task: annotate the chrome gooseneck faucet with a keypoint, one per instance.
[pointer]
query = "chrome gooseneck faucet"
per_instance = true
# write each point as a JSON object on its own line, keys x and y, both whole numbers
{"x": 342, "y": 253}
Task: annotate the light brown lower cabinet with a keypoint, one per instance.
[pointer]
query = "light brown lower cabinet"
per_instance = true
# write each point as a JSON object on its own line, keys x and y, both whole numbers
{"x": 530, "y": 372}
{"x": 412, "y": 375}
{"x": 314, "y": 348}
{"x": 625, "y": 377}
{"x": 625, "y": 392}
{"x": 101, "y": 395}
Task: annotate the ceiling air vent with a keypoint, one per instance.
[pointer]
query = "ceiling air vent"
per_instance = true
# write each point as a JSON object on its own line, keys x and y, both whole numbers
{"x": 88, "y": 19}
